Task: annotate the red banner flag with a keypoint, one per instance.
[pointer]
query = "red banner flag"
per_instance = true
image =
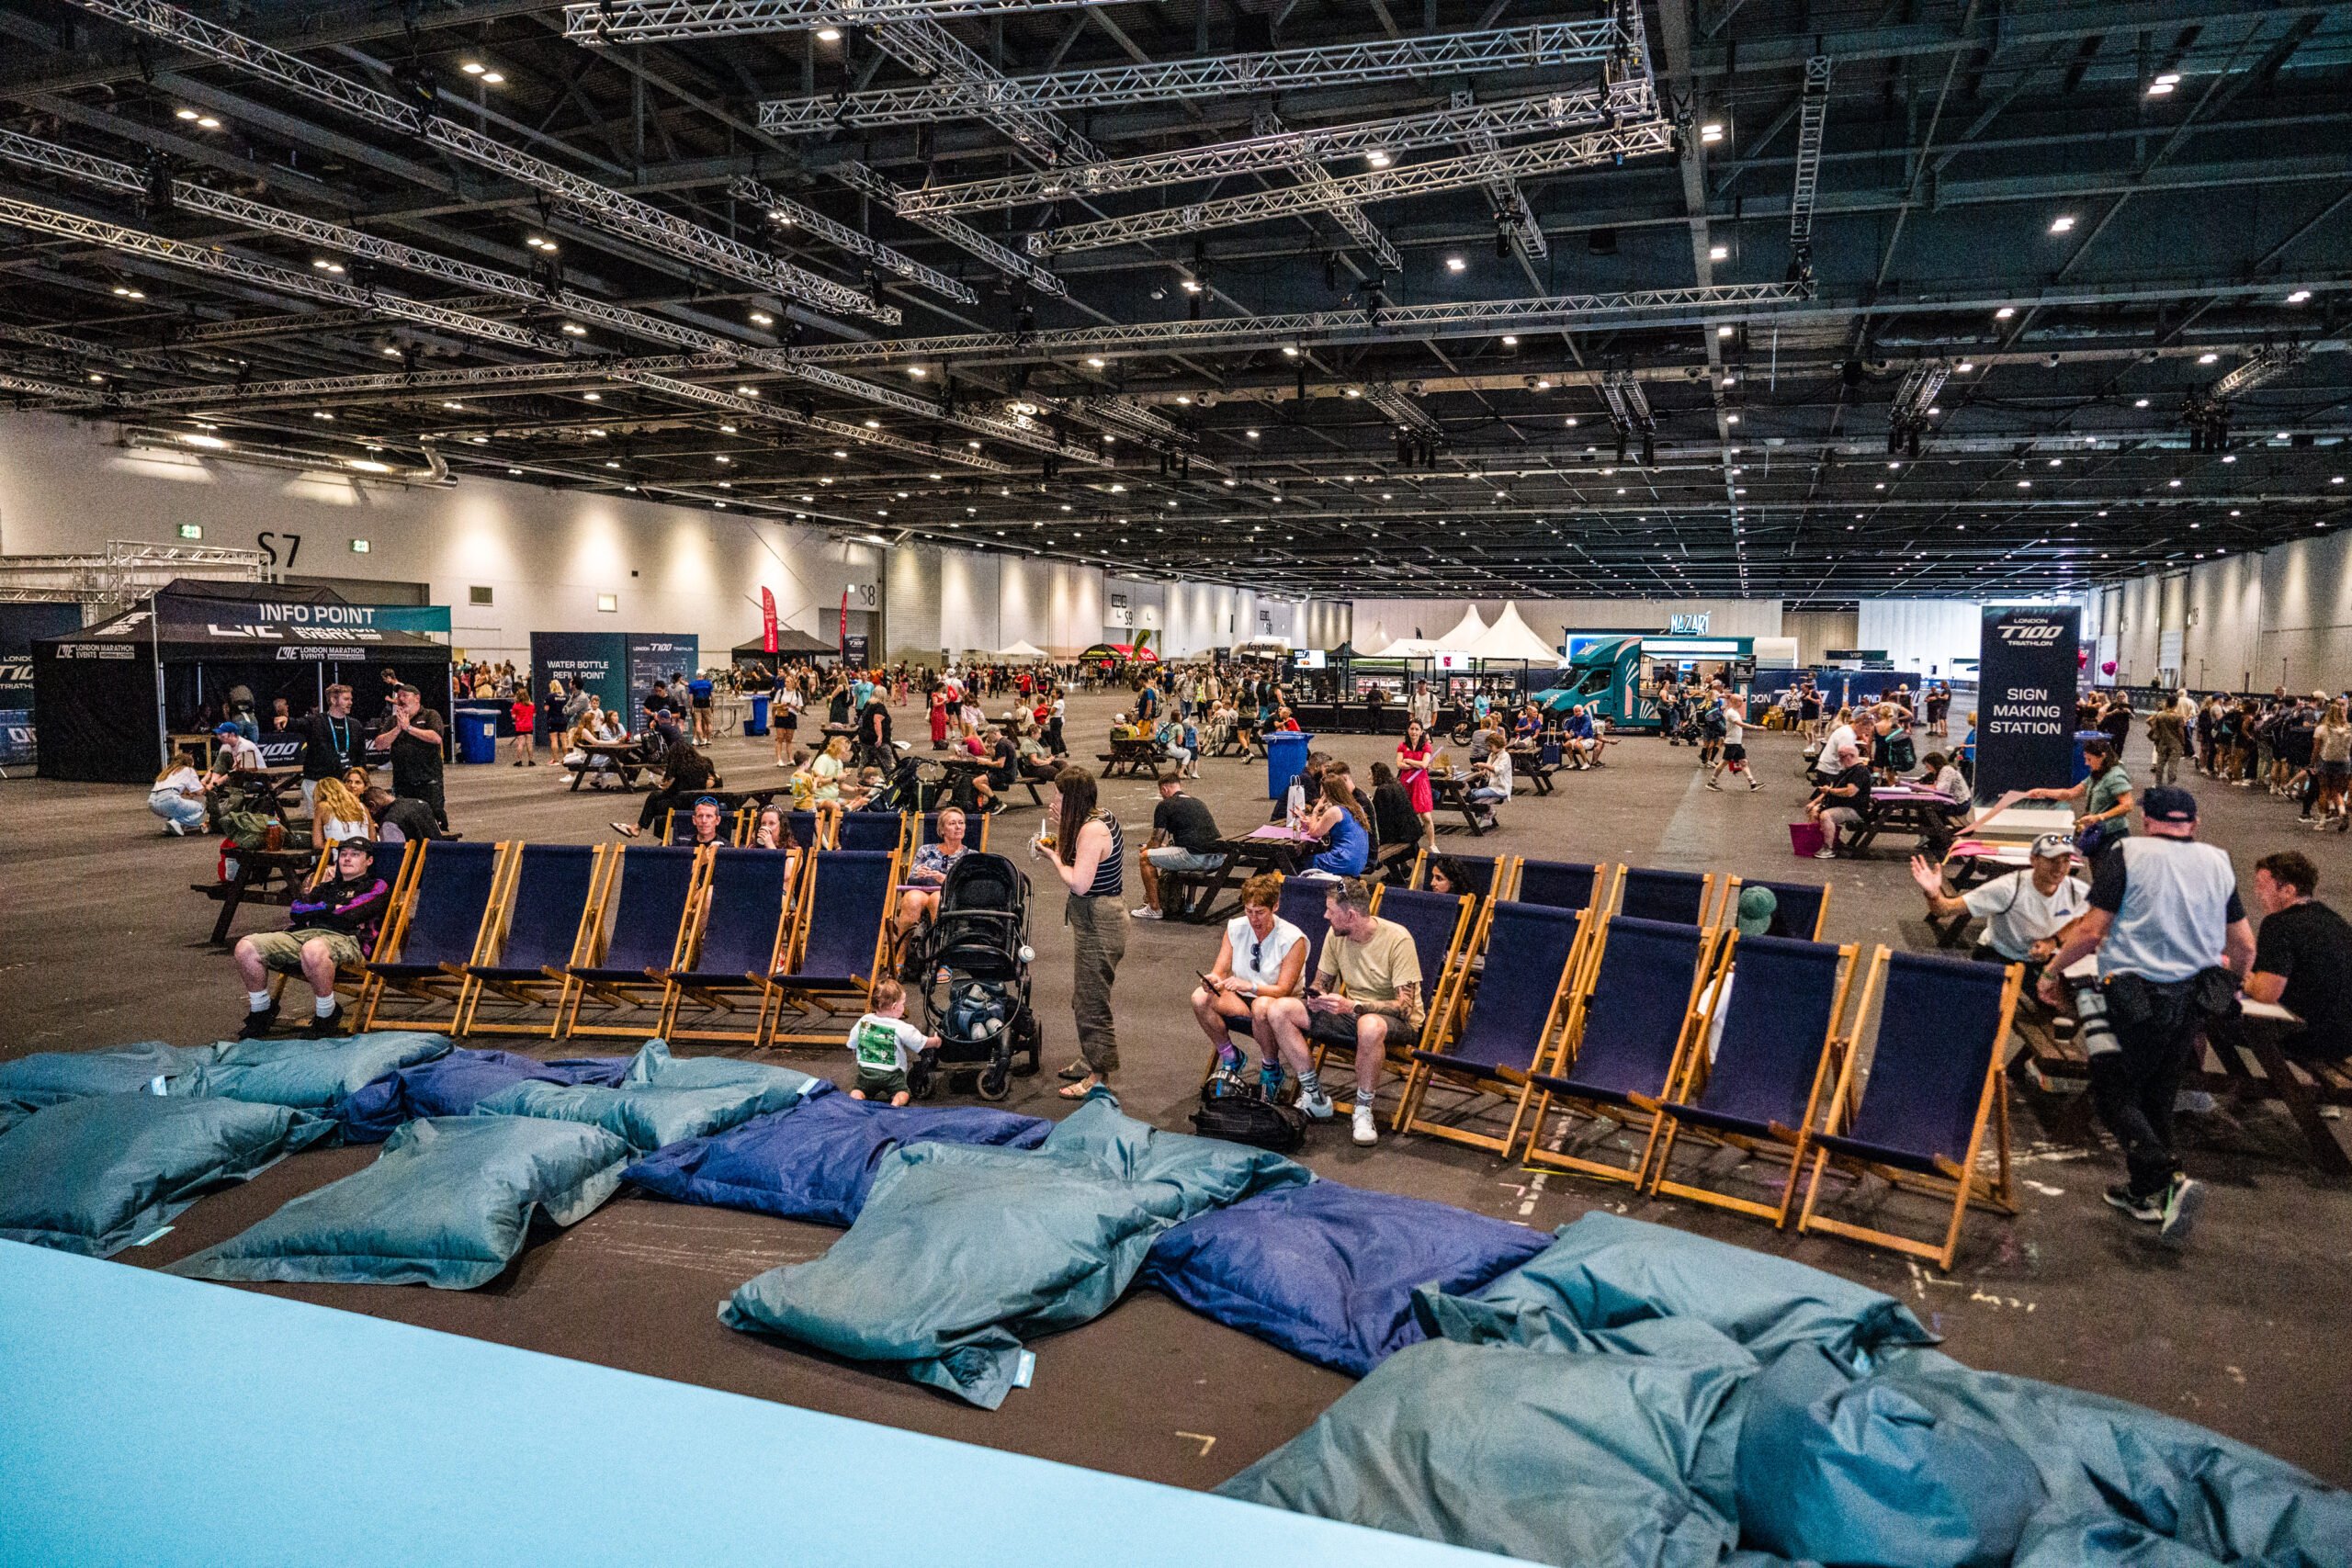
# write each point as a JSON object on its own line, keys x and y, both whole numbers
{"x": 844, "y": 621}
{"x": 767, "y": 620}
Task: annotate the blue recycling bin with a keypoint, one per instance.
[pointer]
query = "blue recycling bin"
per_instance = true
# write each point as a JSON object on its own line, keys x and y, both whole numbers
{"x": 756, "y": 722}
{"x": 1286, "y": 759}
{"x": 477, "y": 735}
{"x": 2082, "y": 764}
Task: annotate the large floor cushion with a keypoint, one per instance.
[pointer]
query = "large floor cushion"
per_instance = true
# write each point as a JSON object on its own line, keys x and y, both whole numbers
{"x": 1606, "y": 1272}
{"x": 1328, "y": 1271}
{"x": 1585, "y": 1460}
{"x": 308, "y": 1075}
{"x": 454, "y": 1084}
{"x": 94, "y": 1175}
{"x": 49, "y": 1077}
{"x": 963, "y": 1252}
{"x": 449, "y": 1203}
{"x": 655, "y": 1066}
{"x": 817, "y": 1160}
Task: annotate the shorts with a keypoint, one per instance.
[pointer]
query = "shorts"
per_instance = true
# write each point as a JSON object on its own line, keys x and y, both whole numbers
{"x": 282, "y": 950}
{"x": 1337, "y": 1028}
{"x": 1169, "y": 857}
{"x": 881, "y": 1086}
{"x": 1734, "y": 752}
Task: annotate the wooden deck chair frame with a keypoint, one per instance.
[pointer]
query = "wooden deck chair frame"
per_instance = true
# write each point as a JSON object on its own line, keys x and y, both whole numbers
{"x": 1711, "y": 906}
{"x": 622, "y": 997}
{"x": 1418, "y": 882}
{"x": 1728, "y": 910}
{"x": 1604, "y": 880}
{"x": 1563, "y": 1047}
{"x": 449, "y": 982}
{"x": 1424, "y": 1075}
{"x": 533, "y": 994}
{"x": 1435, "y": 1017}
{"x": 1837, "y": 1045}
{"x": 349, "y": 982}
{"x": 1961, "y": 1183}
{"x": 782, "y": 991}
{"x": 756, "y": 991}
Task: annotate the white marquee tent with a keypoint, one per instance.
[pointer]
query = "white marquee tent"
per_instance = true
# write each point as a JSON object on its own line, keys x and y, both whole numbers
{"x": 1510, "y": 637}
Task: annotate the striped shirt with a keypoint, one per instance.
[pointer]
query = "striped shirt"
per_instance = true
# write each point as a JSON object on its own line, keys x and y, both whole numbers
{"x": 1110, "y": 875}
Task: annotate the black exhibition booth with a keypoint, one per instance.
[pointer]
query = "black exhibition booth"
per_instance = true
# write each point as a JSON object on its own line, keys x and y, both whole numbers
{"x": 109, "y": 696}
{"x": 792, "y": 647}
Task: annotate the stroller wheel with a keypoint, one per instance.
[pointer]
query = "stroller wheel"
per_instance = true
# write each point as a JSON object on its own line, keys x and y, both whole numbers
{"x": 1030, "y": 1046}
{"x": 995, "y": 1080}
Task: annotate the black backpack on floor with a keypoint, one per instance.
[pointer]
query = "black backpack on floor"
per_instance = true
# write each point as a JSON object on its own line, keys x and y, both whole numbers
{"x": 1240, "y": 1114}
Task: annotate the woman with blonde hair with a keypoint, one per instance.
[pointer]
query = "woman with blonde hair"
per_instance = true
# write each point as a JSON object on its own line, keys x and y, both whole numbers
{"x": 336, "y": 814}
{"x": 178, "y": 796}
{"x": 2332, "y": 759}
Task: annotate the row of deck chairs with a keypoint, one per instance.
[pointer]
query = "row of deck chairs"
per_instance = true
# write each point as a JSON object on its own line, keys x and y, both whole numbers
{"x": 1680, "y": 897}
{"x": 876, "y": 830}
{"x": 749, "y": 946}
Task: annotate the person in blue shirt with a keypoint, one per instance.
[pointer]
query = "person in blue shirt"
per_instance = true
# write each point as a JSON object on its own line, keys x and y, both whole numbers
{"x": 699, "y": 691}
{"x": 1337, "y": 819}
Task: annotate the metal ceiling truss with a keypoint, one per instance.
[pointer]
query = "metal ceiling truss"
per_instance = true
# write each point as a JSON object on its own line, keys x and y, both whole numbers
{"x": 1545, "y": 47}
{"x": 665, "y": 21}
{"x": 839, "y": 430}
{"x": 1813, "y": 118}
{"x": 1404, "y": 411}
{"x": 1629, "y": 411}
{"x": 85, "y": 351}
{"x": 1913, "y": 405}
{"x": 478, "y": 378}
{"x": 1620, "y": 101}
{"x": 1610, "y": 146}
{"x": 954, "y": 230}
{"x": 1342, "y": 211}
{"x": 1466, "y": 319}
{"x": 928, "y": 47}
{"x": 597, "y": 206}
{"x": 787, "y": 213}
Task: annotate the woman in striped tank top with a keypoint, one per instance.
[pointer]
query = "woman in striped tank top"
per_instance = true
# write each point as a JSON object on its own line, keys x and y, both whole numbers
{"x": 1090, "y": 854}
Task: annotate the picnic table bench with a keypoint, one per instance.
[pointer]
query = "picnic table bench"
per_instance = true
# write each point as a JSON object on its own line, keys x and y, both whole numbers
{"x": 1450, "y": 792}
{"x": 263, "y": 877}
{"x": 627, "y": 761}
{"x": 274, "y": 790}
{"x": 1133, "y": 757}
{"x": 1898, "y": 810}
{"x": 1527, "y": 763}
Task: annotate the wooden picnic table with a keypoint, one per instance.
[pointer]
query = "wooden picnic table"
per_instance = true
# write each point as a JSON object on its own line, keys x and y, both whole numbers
{"x": 1527, "y": 763}
{"x": 624, "y": 755}
{"x": 270, "y": 789}
{"x": 1271, "y": 848}
{"x": 1133, "y": 756}
{"x": 263, "y": 877}
{"x": 1450, "y": 792}
{"x": 1895, "y": 809}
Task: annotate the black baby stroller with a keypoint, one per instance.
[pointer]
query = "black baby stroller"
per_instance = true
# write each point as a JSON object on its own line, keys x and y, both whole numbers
{"x": 970, "y": 963}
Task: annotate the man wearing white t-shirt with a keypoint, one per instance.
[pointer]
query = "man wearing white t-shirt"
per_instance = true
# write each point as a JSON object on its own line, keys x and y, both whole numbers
{"x": 2024, "y": 912}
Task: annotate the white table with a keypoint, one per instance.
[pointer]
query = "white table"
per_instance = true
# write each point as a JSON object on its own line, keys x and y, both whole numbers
{"x": 2026, "y": 822}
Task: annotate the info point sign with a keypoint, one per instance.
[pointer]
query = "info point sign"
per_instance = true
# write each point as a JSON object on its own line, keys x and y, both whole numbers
{"x": 2027, "y": 674}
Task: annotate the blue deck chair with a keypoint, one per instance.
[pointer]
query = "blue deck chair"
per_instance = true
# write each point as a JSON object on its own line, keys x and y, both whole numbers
{"x": 870, "y": 830}
{"x": 837, "y": 950}
{"x": 1559, "y": 884}
{"x": 434, "y": 934}
{"x": 1801, "y": 906}
{"x": 678, "y": 825}
{"x": 743, "y": 923}
{"x": 802, "y": 826}
{"x": 546, "y": 915}
{"x": 1439, "y": 925}
{"x": 1507, "y": 1028}
{"x": 1777, "y": 1045}
{"x": 1302, "y": 905}
{"x": 622, "y": 971}
{"x": 1934, "y": 1081}
{"x": 1625, "y": 1041}
{"x": 1680, "y": 897}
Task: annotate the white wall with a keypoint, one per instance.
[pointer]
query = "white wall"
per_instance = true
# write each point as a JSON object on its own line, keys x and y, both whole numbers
{"x": 1924, "y": 635}
{"x": 1817, "y": 631}
{"x": 2281, "y": 617}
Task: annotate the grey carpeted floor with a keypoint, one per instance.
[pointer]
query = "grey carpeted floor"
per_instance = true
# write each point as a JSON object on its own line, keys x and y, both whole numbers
{"x": 101, "y": 942}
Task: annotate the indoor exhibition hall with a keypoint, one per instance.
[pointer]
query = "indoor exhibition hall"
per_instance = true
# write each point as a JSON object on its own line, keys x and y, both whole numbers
{"x": 841, "y": 783}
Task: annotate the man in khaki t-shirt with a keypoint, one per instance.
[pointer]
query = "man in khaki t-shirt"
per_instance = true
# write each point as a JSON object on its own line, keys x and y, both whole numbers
{"x": 1379, "y": 970}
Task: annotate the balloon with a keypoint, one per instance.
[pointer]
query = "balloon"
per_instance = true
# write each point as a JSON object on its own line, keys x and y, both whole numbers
{"x": 2107, "y": 668}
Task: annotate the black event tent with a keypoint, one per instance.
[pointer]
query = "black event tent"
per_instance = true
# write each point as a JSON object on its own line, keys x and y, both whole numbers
{"x": 109, "y": 695}
{"x": 789, "y": 644}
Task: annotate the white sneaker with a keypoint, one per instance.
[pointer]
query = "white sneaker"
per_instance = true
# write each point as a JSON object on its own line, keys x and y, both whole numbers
{"x": 1316, "y": 1106}
{"x": 1364, "y": 1132}
{"x": 1144, "y": 912}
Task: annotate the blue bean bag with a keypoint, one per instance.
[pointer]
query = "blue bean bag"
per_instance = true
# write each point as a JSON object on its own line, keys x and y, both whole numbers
{"x": 94, "y": 1175}
{"x": 453, "y": 1085}
{"x": 817, "y": 1160}
{"x": 449, "y": 1203}
{"x": 960, "y": 1253}
{"x": 1328, "y": 1271}
{"x": 307, "y": 1074}
{"x": 1585, "y": 1460}
{"x": 1605, "y": 1272}
{"x": 49, "y": 1077}
{"x": 664, "y": 1099}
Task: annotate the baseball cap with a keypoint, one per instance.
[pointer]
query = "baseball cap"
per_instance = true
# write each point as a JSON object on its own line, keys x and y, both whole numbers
{"x": 1757, "y": 907}
{"x": 2053, "y": 846}
{"x": 2165, "y": 803}
{"x": 226, "y": 729}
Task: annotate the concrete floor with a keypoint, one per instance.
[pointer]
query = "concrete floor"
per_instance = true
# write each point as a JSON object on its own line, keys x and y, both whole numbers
{"x": 101, "y": 942}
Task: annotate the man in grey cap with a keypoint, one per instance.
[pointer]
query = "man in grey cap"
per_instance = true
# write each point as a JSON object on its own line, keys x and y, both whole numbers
{"x": 2172, "y": 942}
{"x": 2023, "y": 911}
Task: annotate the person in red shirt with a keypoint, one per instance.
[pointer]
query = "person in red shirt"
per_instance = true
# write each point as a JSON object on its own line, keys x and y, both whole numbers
{"x": 526, "y": 720}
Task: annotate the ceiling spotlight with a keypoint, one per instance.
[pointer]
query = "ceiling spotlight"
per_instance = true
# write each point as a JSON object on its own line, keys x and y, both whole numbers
{"x": 1711, "y": 132}
{"x": 473, "y": 68}
{"x": 1191, "y": 286}
{"x": 1964, "y": 366}
{"x": 1572, "y": 422}
{"x": 1251, "y": 433}
{"x": 2005, "y": 312}
{"x": 592, "y": 397}
{"x": 1377, "y": 158}
{"x": 1719, "y": 253}
{"x": 2139, "y": 402}
{"x": 573, "y": 328}
{"x": 747, "y": 391}
{"x": 762, "y": 319}
{"x": 2061, "y": 224}
{"x": 1455, "y": 264}
{"x": 829, "y": 35}
{"x": 493, "y": 77}
{"x": 2164, "y": 83}
{"x": 2207, "y": 358}
{"x": 1723, "y": 330}
{"x": 2298, "y": 296}
{"x": 208, "y": 122}
{"x": 188, "y": 113}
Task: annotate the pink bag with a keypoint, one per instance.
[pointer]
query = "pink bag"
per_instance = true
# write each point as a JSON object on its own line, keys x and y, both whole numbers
{"x": 1805, "y": 839}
